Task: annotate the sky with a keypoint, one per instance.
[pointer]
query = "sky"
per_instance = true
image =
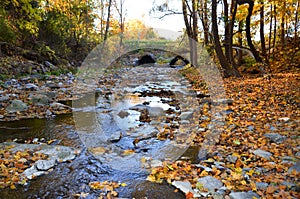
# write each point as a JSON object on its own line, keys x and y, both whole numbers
{"x": 139, "y": 9}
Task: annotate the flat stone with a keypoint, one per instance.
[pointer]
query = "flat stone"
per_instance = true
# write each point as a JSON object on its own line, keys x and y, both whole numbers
{"x": 185, "y": 187}
{"x": 31, "y": 86}
{"x": 45, "y": 165}
{"x": 40, "y": 100}
{"x": 243, "y": 195}
{"x": 156, "y": 163}
{"x": 222, "y": 101}
{"x": 138, "y": 107}
{"x": 184, "y": 122}
{"x": 231, "y": 158}
{"x": 210, "y": 183}
{"x": 261, "y": 185}
{"x": 123, "y": 114}
{"x": 116, "y": 136}
{"x": 275, "y": 137}
{"x": 284, "y": 119}
{"x": 186, "y": 115}
{"x": 60, "y": 153}
{"x": 155, "y": 111}
{"x": 204, "y": 167}
{"x": 201, "y": 129}
{"x": 296, "y": 167}
{"x": 59, "y": 106}
{"x": 32, "y": 172}
{"x": 262, "y": 153}
{"x": 16, "y": 106}
{"x": 4, "y": 98}
{"x": 289, "y": 185}
{"x": 145, "y": 189}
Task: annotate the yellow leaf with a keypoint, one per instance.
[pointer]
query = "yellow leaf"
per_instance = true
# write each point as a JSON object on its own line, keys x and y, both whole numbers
{"x": 128, "y": 152}
{"x": 12, "y": 186}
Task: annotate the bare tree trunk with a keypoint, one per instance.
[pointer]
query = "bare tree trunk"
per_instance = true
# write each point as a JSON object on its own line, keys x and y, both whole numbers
{"x": 296, "y": 23}
{"x": 228, "y": 71}
{"x": 121, "y": 18}
{"x": 274, "y": 33}
{"x": 191, "y": 27}
{"x": 270, "y": 33}
{"x": 107, "y": 21}
{"x": 227, "y": 30}
{"x": 195, "y": 31}
{"x": 262, "y": 27}
{"x": 282, "y": 34}
{"x": 248, "y": 29}
{"x": 205, "y": 22}
{"x": 240, "y": 42}
{"x": 233, "y": 11}
{"x": 203, "y": 15}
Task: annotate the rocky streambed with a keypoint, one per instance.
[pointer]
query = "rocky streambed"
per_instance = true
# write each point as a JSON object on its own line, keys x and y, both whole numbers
{"x": 122, "y": 128}
{"x": 126, "y": 124}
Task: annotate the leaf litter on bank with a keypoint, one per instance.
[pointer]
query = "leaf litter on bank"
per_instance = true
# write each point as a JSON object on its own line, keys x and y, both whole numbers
{"x": 258, "y": 108}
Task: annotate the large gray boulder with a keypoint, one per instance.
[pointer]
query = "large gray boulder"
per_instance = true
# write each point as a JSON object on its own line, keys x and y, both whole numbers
{"x": 16, "y": 106}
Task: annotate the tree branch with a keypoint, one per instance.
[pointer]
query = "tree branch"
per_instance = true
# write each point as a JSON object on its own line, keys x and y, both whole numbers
{"x": 170, "y": 12}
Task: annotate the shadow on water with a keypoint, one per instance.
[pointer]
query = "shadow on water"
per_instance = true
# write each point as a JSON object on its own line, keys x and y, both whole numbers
{"x": 60, "y": 128}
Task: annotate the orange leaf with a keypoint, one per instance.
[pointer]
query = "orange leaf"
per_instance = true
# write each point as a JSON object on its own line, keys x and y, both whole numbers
{"x": 271, "y": 189}
{"x": 238, "y": 163}
{"x": 189, "y": 195}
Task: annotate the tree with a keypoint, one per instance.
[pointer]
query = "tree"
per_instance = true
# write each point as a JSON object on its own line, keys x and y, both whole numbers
{"x": 22, "y": 17}
{"x": 107, "y": 21}
{"x": 203, "y": 15}
{"x": 190, "y": 17}
{"x": 120, "y": 11}
{"x": 262, "y": 28}
{"x": 227, "y": 69}
{"x": 248, "y": 28}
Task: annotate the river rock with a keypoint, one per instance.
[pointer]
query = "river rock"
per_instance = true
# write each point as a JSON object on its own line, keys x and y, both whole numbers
{"x": 50, "y": 94}
{"x": 155, "y": 111}
{"x": 32, "y": 172}
{"x": 45, "y": 165}
{"x": 243, "y": 195}
{"x": 262, "y": 153}
{"x": 59, "y": 153}
{"x": 296, "y": 167}
{"x": 231, "y": 158}
{"x": 275, "y": 137}
{"x": 116, "y": 136}
{"x": 210, "y": 183}
{"x": 123, "y": 114}
{"x": 59, "y": 106}
{"x": 284, "y": 119}
{"x": 222, "y": 101}
{"x": 261, "y": 185}
{"x": 185, "y": 187}
{"x": 40, "y": 167}
{"x": 138, "y": 107}
{"x": 16, "y": 106}
{"x": 4, "y": 98}
{"x": 49, "y": 65}
{"x": 146, "y": 189}
{"x": 52, "y": 85}
{"x": 31, "y": 87}
{"x": 186, "y": 115}
{"x": 40, "y": 100}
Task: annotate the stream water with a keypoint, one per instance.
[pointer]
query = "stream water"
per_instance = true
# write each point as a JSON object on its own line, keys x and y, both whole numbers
{"x": 146, "y": 118}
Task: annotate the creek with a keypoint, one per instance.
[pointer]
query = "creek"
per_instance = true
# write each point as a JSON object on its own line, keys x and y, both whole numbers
{"x": 145, "y": 118}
